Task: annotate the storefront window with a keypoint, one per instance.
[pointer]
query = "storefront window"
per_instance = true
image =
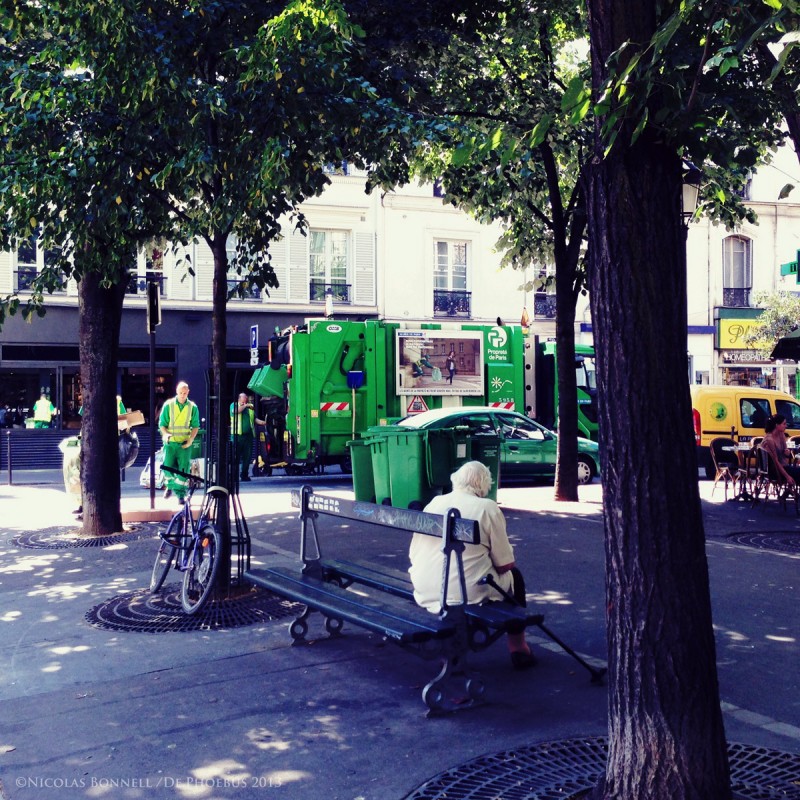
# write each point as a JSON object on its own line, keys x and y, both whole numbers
{"x": 747, "y": 376}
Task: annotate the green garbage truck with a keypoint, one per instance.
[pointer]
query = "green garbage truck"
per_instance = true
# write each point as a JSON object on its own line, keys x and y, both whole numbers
{"x": 544, "y": 408}
{"x": 327, "y": 382}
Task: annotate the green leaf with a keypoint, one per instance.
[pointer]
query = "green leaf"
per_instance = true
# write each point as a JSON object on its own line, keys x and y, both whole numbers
{"x": 540, "y": 130}
{"x": 640, "y": 126}
{"x": 461, "y": 154}
{"x": 574, "y": 95}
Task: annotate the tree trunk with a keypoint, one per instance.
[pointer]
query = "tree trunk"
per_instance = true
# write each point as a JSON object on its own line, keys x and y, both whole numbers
{"x": 99, "y": 320}
{"x": 665, "y": 724}
{"x": 566, "y": 483}
{"x": 219, "y": 413}
{"x": 567, "y": 237}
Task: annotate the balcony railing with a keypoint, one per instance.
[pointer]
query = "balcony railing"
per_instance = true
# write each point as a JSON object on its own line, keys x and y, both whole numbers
{"x": 318, "y": 290}
{"x": 544, "y": 306}
{"x": 736, "y": 298}
{"x": 452, "y": 304}
{"x": 251, "y": 294}
{"x": 137, "y": 284}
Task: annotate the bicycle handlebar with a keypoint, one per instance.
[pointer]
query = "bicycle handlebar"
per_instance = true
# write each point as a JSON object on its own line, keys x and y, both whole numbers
{"x": 182, "y": 474}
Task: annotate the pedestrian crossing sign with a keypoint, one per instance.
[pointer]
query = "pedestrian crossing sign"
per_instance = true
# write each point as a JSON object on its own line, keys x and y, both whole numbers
{"x": 417, "y": 405}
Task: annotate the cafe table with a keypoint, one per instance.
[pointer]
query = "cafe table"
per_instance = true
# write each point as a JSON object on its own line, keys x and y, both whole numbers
{"x": 742, "y": 489}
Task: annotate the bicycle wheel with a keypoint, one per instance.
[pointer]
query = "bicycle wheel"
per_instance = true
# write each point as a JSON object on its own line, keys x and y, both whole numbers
{"x": 201, "y": 574}
{"x": 166, "y": 553}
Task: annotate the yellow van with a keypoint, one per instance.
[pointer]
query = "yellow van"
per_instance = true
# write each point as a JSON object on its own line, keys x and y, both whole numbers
{"x": 737, "y": 412}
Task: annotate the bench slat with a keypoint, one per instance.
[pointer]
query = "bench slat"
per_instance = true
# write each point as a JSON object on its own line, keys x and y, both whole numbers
{"x": 404, "y": 623}
{"x": 465, "y": 530}
{"x": 387, "y": 579}
{"x": 498, "y": 615}
{"x": 397, "y": 582}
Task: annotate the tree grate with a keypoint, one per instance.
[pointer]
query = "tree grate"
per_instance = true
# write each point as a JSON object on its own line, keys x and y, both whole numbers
{"x": 783, "y": 541}
{"x": 142, "y": 612}
{"x": 65, "y": 538}
{"x": 568, "y": 769}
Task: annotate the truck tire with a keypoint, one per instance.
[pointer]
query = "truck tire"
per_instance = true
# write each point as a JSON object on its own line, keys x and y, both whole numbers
{"x": 346, "y": 465}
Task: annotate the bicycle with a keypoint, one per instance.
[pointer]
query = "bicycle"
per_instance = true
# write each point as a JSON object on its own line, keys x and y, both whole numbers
{"x": 194, "y": 546}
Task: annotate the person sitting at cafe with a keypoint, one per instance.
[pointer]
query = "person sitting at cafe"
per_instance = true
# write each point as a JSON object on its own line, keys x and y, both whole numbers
{"x": 494, "y": 555}
{"x": 775, "y": 444}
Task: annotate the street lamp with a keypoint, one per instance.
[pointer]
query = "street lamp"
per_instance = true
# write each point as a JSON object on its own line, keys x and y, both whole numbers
{"x": 692, "y": 178}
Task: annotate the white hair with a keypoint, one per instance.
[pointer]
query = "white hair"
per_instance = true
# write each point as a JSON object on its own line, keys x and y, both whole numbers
{"x": 472, "y": 477}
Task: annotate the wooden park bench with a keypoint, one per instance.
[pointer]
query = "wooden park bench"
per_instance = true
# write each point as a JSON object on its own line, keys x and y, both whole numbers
{"x": 384, "y": 602}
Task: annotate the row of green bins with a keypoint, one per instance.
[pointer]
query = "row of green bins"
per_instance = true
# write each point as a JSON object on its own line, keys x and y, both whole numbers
{"x": 406, "y": 467}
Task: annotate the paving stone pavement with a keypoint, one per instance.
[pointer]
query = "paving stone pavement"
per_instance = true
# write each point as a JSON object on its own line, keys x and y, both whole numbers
{"x": 238, "y": 712}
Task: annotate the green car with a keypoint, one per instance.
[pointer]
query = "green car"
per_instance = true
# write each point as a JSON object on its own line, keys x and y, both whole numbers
{"x": 528, "y": 449}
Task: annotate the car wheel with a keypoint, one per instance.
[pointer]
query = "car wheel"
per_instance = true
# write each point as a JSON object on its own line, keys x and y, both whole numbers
{"x": 586, "y": 469}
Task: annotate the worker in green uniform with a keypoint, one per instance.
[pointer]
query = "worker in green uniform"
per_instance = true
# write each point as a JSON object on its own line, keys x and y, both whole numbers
{"x": 243, "y": 428}
{"x": 43, "y": 412}
{"x": 179, "y": 423}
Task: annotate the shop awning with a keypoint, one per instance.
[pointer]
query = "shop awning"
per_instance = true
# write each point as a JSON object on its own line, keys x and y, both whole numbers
{"x": 788, "y": 348}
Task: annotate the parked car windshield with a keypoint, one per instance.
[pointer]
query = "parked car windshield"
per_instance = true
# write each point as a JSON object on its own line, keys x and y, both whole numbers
{"x": 519, "y": 427}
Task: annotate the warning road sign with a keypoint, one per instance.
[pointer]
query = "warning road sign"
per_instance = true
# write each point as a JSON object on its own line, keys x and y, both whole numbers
{"x": 417, "y": 405}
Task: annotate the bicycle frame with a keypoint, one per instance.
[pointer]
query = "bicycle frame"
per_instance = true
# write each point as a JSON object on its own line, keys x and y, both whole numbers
{"x": 194, "y": 545}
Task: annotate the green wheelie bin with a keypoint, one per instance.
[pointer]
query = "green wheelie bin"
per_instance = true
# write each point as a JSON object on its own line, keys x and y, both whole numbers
{"x": 363, "y": 478}
{"x": 448, "y": 449}
{"x": 408, "y": 478}
{"x": 379, "y": 457}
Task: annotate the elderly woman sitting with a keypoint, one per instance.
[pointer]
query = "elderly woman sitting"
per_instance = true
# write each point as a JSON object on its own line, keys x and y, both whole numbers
{"x": 493, "y": 556}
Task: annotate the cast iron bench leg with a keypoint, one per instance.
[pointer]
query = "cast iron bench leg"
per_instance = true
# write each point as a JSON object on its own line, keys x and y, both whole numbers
{"x": 456, "y": 686}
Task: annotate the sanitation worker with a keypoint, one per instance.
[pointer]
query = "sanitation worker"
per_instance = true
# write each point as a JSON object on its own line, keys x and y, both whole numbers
{"x": 243, "y": 426}
{"x": 43, "y": 412}
{"x": 179, "y": 423}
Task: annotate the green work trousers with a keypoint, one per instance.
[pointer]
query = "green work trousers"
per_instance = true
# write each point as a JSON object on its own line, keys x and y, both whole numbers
{"x": 178, "y": 457}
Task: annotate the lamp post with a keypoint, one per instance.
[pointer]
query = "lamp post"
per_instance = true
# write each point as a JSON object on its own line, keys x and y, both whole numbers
{"x": 692, "y": 178}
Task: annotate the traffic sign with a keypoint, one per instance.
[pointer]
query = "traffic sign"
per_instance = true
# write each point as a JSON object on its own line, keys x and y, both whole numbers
{"x": 253, "y": 338}
{"x": 253, "y": 356}
{"x": 417, "y": 405}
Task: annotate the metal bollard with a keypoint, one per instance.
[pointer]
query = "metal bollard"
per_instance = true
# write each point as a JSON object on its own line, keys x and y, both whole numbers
{"x": 8, "y": 456}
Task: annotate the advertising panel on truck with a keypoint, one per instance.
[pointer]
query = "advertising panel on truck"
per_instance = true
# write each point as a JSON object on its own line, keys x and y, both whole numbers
{"x": 439, "y": 362}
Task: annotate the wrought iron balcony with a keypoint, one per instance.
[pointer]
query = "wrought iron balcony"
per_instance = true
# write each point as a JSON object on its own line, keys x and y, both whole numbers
{"x": 137, "y": 284}
{"x": 544, "y": 306}
{"x": 319, "y": 289}
{"x": 251, "y": 293}
{"x": 452, "y": 304}
{"x": 736, "y": 298}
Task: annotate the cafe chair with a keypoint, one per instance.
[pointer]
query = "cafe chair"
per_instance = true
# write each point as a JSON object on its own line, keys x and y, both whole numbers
{"x": 748, "y": 469}
{"x": 794, "y": 443}
{"x": 726, "y": 463}
{"x": 770, "y": 483}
